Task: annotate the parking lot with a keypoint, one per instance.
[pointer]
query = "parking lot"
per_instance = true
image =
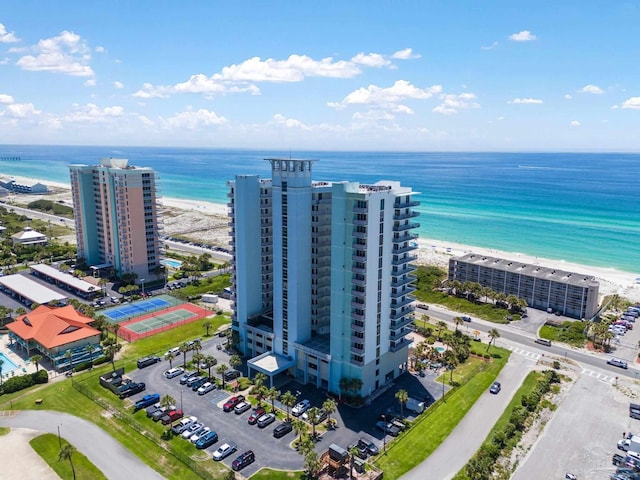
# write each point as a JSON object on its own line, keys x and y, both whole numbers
{"x": 352, "y": 423}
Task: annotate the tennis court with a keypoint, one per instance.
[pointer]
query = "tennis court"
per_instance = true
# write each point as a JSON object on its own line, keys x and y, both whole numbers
{"x": 161, "y": 320}
{"x": 151, "y": 323}
{"x": 128, "y": 311}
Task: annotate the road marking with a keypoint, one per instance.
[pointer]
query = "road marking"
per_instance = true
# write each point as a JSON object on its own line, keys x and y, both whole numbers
{"x": 525, "y": 353}
{"x": 597, "y": 375}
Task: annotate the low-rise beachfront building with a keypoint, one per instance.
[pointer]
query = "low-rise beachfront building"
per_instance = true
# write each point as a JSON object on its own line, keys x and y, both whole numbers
{"x": 322, "y": 277}
{"x": 29, "y": 236}
{"x": 53, "y": 332}
{"x": 117, "y": 217}
{"x": 572, "y": 294}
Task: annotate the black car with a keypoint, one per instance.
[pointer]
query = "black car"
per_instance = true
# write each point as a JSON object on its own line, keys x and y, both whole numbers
{"x": 132, "y": 389}
{"x": 282, "y": 429}
{"x": 146, "y": 361}
{"x": 231, "y": 375}
{"x": 495, "y": 388}
{"x": 243, "y": 460}
{"x": 198, "y": 383}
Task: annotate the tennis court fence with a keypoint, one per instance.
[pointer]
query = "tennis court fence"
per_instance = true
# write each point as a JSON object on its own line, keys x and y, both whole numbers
{"x": 131, "y": 336}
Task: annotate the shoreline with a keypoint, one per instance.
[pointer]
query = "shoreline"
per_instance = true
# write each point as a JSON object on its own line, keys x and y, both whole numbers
{"x": 430, "y": 251}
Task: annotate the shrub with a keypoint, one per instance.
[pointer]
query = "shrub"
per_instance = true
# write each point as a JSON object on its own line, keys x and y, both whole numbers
{"x": 41, "y": 376}
{"x": 21, "y": 382}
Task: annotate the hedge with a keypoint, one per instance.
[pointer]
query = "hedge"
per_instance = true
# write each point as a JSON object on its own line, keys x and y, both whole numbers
{"x": 21, "y": 382}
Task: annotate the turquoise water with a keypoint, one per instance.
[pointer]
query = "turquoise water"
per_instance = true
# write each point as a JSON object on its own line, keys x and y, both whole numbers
{"x": 171, "y": 263}
{"x": 578, "y": 207}
{"x": 8, "y": 364}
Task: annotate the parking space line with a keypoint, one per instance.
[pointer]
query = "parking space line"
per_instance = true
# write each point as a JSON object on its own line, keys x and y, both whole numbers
{"x": 598, "y": 376}
{"x": 525, "y": 353}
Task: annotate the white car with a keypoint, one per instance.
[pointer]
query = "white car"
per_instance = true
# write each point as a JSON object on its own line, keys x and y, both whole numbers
{"x": 224, "y": 451}
{"x": 197, "y": 436}
{"x": 206, "y": 388}
{"x": 300, "y": 408}
{"x": 192, "y": 429}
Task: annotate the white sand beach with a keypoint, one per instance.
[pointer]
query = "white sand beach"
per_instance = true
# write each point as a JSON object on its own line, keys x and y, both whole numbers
{"x": 207, "y": 222}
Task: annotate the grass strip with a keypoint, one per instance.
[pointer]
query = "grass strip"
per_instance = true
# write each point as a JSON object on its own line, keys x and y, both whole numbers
{"x": 48, "y": 446}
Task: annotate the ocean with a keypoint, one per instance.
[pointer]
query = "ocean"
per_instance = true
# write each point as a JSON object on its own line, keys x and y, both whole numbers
{"x": 578, "y": 207}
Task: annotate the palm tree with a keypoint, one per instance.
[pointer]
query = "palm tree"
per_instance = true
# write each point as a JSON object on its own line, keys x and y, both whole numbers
{"x": 111, "y": 351}
{"x": 403, "y": 397}
{"x": 494, "y": 333}
{"x": 221, "y": 370}
{"x": 458, "y": 321}
{"x": 272, "y": 394}
{"x": 197, "y": 359}
{"x": 313, "y": 414}
{"x": 89, "y": 349}
{"x": 69, "y": 356}
{"x": 171, "y": 357}
{"x": 235, "y": 361}
{"x": 167, "y": 401}
{"x": 451, "y": 361}
{"x": 441, "y": 325}
{"x": 210, "y": 361}
{"x": 36, "y": 359}
{"x": 300, "y": 427}
{"x": 344, "y": 386}
{"x": 115, "y": 327}
{"x": 288, "y": 399}
{"x": 66, "y": 452}
{"x": 207, "y": 324}
{"x": 312, "y": 463}
{"x": 184, "y": 348}
{"x": 329, "y": 406}
{"x": 259, "y": 379}
{"x": 197, "y": 345}
{"x": 353, "y": 452}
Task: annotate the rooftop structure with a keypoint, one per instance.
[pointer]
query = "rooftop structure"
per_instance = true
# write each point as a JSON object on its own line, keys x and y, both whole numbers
{"x": 29, "y": 291}
{"x": 28, "y": 236}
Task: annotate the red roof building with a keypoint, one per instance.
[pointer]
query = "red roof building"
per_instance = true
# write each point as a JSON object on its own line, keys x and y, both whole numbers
{"x": 53, "y": 331}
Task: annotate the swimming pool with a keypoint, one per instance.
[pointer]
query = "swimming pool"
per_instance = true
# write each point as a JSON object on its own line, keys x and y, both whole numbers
{"x": 440, "y": 349}
{"x": 171, "y": 263}
{"x": 8, "y": 364}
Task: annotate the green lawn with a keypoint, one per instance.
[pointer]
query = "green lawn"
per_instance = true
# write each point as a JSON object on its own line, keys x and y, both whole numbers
{"x": 48, "y": 447}
{"x": 435, "y": 425}
{"x": 268, "y": 474}
{"x": 4, "y": 430}
{"x": 571, "y": 332}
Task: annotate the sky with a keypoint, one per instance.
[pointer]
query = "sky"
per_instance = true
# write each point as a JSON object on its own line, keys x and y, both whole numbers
{"x": 466, "y": 75}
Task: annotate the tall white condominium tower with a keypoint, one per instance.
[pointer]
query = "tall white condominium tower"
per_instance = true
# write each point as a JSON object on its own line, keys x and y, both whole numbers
{"x": 117, "y": 223}
{"x": 322, "y": 277}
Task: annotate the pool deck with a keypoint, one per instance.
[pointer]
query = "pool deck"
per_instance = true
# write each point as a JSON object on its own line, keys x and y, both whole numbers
{"x": 23, "y": 366}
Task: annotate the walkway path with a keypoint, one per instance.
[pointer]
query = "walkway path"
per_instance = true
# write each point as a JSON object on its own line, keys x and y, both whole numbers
{"x": 25, "y": 462}
{"x": 106, "y": 453}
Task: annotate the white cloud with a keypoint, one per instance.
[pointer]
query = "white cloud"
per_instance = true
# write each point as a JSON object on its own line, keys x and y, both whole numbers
{"x": 568, "y": 96}
{"x": 452, "y": 103}
{"x": 150, "y": 91}
{"x": 146, "y": 121}
{"x": 67, "y": 53}
{"x": 373, "y": 115}
{"x": 526, "y": 101}
{"x": 20, "y": 110}
{"x": 400, "y": 90}
{"x": 91, "y": 113}
{"x": 100, "y": 49}
{"x": 523, "y": 36}
{"x": 575, "y": 123}
{"x": 489, "y": 47}
{"x": 371, "y": 60}
{"x": 406, "y": 54}
{"x": 90, "y": 83}
{"x": 4, "y": 98}
{"x": 118, "y": 84}
{"x": 281, "y": 120}
{"x": 192, "y": 120}
{"x": 632, "y": 103}
{"x": 7, "y": 37}
{"x": 4, "y": 61}
{"x": 592, "y": 89}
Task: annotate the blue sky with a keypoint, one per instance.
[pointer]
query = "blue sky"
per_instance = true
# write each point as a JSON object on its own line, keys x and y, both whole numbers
{"x": 331, "y": 75}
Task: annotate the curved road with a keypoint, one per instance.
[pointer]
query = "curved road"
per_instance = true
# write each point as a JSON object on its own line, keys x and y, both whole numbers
{"x": 106, "y": 453}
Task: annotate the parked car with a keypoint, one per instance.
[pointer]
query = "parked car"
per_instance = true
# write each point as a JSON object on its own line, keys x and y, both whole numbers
{"x": 243, "y": 460}
{"x": 369, "y": 445}
{"x": 193, "y": 380}
{"x": 145, "y": 401}
{"x": 161, "y": 412}
{"x": 192, "y": 429}
{"x": 132, "y": 388}
{"x": 422, "y": 306}
{"x": 466, "y": 318}
{"x": 207, "y": 440}
{"x": 173, "y": 372}
{"x": 388, "y": 428}
{"x": 255, "y": 415}
{"x": 495, "y": 388}
{"x": 266, "y": 419}
{"x": 175, "y": 351}
{"x": 181, "y": 426}
{"x": 616, "y": 362}
{"x": 153, "y": 409}
{"x": 187, "y": 375}
{"x": 300, "y": 408}
{"x": 224, "y": 451}
{"x": 171, "y": 416}
{"x": 146, "y": 361}
{"x": 322, "y": 416}
{"x": 232, "y": 402}
{"x": 241, "y": 408}
{"x": 231, "y": 375}
{"x": 361, "y": 450}
{"x": 282, "y": 429}
{"x": 206, "y": 388}
{"x": 197, "y": 436}
{"x": 197, "y": 384}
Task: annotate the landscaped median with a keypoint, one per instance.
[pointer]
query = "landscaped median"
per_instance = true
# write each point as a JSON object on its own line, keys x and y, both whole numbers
{"x": 49, "y": 447}
{"x": 434, "y": 426}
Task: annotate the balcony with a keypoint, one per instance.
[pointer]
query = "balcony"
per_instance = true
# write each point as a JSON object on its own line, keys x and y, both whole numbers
{"x": 357, "y": 349}
{"x": 403, "y": 322}
{"x": 358, "y": 293}
{"x": 399, "y": 282}
{"x": 397, "y": 335}
{"x": 358, "y": 316}
{"x": 409, "y": 204}
{"x": 404, "y": 216}
{"x": 357, "y": 234}
{"x": 405, "y": 226}
{"x": 395, "y": 346}
{"x": 357, "y": 281}
{"x": 404, "y": 291}
{"x": 405, "y": 259}
{"x": 360, "y": 210}
{"x": 357, "y": 327}
{"x": 359, "y": 257}
{"x": 406, "y": 269}
{"x": 396, "y": 304}
{"x": 357, "y": 305}
{"x": 359, "y": 363}
{"x": 405, "y": 249}
{"x": 359, "y": 270}
{"x": 359, "y": 221}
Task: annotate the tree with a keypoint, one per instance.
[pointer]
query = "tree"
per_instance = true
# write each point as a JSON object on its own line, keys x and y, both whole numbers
{"x": 209, "y": 362}
{"x": 300, "y": 427}
{"x": 329, "y": 406}
{"x": 207, "y": 324}
{"x": 197, "y": 345}
{"x": 111, "y": 351}
{"x": 403, "y": 397}
{"x": 167, "y": 401}
{"x": 288, "y": 399}
{"x": 312, "y": 463}
{"x": 451, "y": 361}
{"x": 89, "y": 349}
{"x": 441, "y": 326}
{"x": 68, "y": 355}
{"x": 197, "y": 359}
{"x": 313, "y": 414}
{"x": 36, "y": 359}
{"x": 344, "y": 386}
{"x": 272, "y": 394}
{"x": 458, "y": 321}
{"x": 353, "y": 452}
{"x": 184, "y": 348}
{"x": 66, "y": 453}
{"x": 221, "y": 370}
{"x": 171, "y": 357}
{"x": 494, "y": 333}
{"x": 259, "y": 379}
{"x": 235, "y": 361}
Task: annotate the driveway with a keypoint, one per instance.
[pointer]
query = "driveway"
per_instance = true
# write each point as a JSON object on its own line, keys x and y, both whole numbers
{"x": 107, "y": 454}
{"x": 25, "y": 462}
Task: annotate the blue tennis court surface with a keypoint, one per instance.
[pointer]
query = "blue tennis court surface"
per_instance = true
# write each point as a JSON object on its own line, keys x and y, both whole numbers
{"x": 136, "y": 309}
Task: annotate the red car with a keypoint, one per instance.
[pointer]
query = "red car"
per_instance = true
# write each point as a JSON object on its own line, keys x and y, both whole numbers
{"x": 255, "y": 415}
{"x": 232, "y": 402}
{"x": 171, "y": 417}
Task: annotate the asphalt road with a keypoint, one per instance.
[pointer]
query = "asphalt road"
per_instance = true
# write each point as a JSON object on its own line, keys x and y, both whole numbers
{"x": 68, "y": 222}
{"x": 107, "y": 454}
